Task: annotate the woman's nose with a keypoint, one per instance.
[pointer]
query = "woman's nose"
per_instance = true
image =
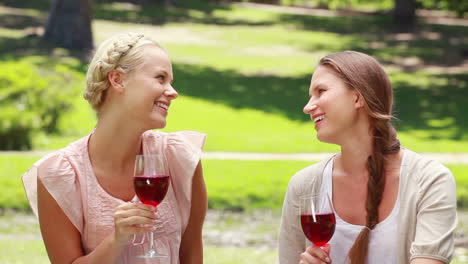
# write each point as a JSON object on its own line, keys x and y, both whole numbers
{"x": 309, "y": 108}
{"x": 171, "y": 92}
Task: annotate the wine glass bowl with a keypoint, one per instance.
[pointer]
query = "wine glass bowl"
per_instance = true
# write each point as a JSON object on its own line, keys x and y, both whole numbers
{"x": 151, "y": 182}
{"x": 151, "y": 189}
{"x": 317, "y": 218}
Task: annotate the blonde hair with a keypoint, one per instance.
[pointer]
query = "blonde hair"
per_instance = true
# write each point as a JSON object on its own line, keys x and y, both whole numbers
{"x": 122, "y": 52}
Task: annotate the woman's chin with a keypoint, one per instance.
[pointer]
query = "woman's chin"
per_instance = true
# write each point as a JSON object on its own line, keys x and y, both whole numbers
{"x": 158, "y": 124}
{"x": 322, "y": 137}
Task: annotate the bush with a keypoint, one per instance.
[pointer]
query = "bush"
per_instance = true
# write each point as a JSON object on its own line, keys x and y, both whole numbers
{"x": 32, "y": 98}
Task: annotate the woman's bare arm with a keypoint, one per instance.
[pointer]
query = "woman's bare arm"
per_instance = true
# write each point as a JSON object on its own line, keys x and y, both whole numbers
{"x": 63, "y": 241}
{"x": 191, "y": 248}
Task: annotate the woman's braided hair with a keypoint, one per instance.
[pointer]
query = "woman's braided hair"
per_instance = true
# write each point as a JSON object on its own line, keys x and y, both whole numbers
{"x": 363, "y": 73}
{"x": 123, "y": 53}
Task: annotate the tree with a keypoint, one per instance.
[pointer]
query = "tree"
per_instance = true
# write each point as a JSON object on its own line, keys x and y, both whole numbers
{"x": 69, "y": 24}
{"x": 404, "y": 14}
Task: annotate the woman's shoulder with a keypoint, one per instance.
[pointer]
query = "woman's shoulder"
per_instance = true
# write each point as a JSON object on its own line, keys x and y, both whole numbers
{"x": 424, "y": 171}
{"x": 187, "y": 137}
{"x": 60, "y": 161}
{"x": 422, "y": 165}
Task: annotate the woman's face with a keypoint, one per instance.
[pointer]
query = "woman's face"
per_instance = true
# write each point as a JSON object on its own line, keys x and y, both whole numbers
{"x": 149, "y": 91}
{"x": 332, "y": 106}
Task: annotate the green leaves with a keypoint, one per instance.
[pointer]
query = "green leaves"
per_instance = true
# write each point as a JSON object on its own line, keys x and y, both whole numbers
{"x": 32, "y": 98}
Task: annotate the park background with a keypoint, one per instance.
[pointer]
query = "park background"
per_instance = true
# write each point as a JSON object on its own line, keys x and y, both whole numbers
{"x": 242, "y": 70}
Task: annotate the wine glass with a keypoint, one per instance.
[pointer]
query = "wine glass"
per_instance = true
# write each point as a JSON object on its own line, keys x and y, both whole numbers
{"x": 317, "y": 218}
{"x": 151, "y": 182}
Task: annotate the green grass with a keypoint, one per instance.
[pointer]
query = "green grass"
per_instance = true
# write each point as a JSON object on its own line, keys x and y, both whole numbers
{"x": 12, "y": 167}
{"x": 18, "y": 251}
{"x": 233, "y": 255}
{"x": 231, "y": 184}
{"x": 249, "y": 70}
{"x": 26, "y": 251}
{"x": 23, "y": 244}
{"x": 258, "y": 184}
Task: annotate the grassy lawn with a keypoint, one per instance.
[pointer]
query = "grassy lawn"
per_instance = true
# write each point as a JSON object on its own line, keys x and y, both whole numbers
{"x": 235, "y": 185}
{"x": 20, "y": 242}
{"x": 243, "y": 74}
{"x": 249, "y": 69}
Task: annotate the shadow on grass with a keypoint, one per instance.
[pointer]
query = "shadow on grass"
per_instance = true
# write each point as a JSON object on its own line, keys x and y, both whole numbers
{"x": 429, "y": 44}
{"x": 280, "y": 95}
{"x": 42, "y": 5}
{"x": 12, "y": 48}
{"x": 417, "y": 106}
{"x": 157, "y": 13}
{"x": 445, "y": 45}
{"x": 12, "y": 21}
{"x": 438, "y": 108}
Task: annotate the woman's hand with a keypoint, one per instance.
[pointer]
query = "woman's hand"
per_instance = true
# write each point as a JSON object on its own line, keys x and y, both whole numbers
{"x": 133, "y": 218}
{"x": 316, "y": 255}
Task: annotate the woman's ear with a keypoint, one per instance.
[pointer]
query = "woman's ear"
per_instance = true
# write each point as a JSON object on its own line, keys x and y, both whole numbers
{"x": 116, "y": 80}
{"x": 359, "y": 100}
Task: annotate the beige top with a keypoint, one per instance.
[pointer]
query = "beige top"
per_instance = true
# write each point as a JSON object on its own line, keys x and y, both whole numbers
{"x": 427, "y": 217}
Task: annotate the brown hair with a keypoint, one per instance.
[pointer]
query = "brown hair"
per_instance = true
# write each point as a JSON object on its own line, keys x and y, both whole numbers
{"x": 363, "y": 73}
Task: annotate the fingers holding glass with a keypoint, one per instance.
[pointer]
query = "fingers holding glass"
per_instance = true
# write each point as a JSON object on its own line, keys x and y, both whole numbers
{"x": 130, "y": 219}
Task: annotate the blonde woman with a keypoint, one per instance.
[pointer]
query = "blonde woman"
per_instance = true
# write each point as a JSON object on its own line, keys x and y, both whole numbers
{"x": 83, "y": 194}
{"x": 391, "y": 204}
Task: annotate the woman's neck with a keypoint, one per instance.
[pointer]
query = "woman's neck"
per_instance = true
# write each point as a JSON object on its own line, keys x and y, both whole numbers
{"x": 114, "y": 144}
{"x": 355, "y": 151}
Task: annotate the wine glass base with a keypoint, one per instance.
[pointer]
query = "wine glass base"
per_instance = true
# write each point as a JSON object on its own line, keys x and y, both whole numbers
{"x": 152, "y": 254}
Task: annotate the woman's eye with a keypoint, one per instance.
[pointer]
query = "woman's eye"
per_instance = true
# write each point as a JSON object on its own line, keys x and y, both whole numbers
{"x": 320, "y": 91}
{"x": 161, "y": 77}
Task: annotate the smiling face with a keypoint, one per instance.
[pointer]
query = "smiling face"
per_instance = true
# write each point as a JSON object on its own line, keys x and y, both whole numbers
{"x": 333, "y": 106}
{"x": 148, "y": 89}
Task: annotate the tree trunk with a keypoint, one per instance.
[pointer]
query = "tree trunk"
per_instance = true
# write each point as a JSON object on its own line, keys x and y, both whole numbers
{"x": 69, "y": 24}
{"x": 404, "y": 15}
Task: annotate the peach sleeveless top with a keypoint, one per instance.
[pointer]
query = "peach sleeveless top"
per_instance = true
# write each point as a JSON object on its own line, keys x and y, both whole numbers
{"x": 68, "y": 176}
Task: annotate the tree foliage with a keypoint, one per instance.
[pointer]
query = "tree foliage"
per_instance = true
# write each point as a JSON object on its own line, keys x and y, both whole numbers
{"x": 31, "y": 99}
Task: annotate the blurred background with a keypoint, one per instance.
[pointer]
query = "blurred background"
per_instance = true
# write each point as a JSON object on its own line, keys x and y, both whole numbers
{"x": 242, "y": 69}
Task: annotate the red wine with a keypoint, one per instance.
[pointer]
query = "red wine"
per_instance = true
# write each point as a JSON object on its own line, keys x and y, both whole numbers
{"x": 151, "y": 189}
{"x": 321, "y": 231}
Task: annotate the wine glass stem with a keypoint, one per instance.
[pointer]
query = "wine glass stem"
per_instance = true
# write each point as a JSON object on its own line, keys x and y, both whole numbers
{"x": 151, "y": 241}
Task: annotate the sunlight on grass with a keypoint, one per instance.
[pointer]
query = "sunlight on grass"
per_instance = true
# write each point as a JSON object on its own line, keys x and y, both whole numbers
{"x": 233, "y": 255}
{"x": 248, "y": 184}
{"x": 232, "y": 184}
{"x": 258, "y": 65}
{"x": 17, "y": 250}
{"x": 240, "y": 129}
{"x": 11, "y": 33}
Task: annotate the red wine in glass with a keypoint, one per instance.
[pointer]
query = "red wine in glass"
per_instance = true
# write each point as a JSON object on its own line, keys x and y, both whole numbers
{"x": 151, "y": 189}
{"x": 151, "y": 183}
{"x": 319, "y": 230}
{"x": 317, "y": 218}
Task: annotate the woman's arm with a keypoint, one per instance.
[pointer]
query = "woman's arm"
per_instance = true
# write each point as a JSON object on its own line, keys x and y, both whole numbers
{"x": 436, "y": 215}
{"x": 63, "y": 241}
{"x": 191, "y": 248}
